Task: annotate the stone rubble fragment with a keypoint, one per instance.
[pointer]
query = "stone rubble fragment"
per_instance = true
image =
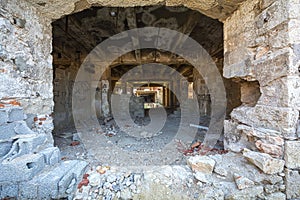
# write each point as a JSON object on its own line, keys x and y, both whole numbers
{"x": 276, "y": 196}
{"x": 243, "y": 182}
{"x": 246, "y": 194}
{"x": 292, "y": 180}
{"x": 201, "y": 177}
{"x": 270, "y": 149}
{"x": 202, "y": 164}
{"x": 292, "y": 154}
{"x": 264, "y": 161}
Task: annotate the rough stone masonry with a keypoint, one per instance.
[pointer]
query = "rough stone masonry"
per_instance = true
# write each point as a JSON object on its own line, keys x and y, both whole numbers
{"x": 261, "y": 49}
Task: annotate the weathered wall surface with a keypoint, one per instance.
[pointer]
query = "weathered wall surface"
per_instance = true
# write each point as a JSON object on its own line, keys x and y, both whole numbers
{"x": 27, "y": 154}
{"x": 261, "y": 44}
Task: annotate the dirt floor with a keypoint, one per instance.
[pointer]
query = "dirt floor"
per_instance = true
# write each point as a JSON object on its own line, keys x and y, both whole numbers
{"x": 71, "y": 146}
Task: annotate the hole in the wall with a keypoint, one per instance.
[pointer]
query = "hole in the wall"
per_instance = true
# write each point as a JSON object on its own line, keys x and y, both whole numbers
{"x": 19, "y": 22}
{"x": 41, "y": 4}
{"x": 30, "y": 165}
{"x": 250, "y": 92}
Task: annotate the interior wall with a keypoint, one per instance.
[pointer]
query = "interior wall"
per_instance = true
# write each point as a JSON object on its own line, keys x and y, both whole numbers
{"x": 26, "y": 63}
{"x": 26, "y": 105}
{"x": 63, "y": 81}
{"x": 260, "y": 47}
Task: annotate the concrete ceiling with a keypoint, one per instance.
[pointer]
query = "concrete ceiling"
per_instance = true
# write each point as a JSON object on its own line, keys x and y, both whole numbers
{"x": 80, "y": 32}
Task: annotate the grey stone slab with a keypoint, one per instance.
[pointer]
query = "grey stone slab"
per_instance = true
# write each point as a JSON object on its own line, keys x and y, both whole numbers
{"x": 66, "y": 184}
{"x": 55, "y": 182}
{"x": 22, "y": 168}
{"x": 26, "y": 144}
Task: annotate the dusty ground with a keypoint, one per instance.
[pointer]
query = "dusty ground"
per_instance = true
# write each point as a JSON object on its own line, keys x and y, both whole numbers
{"x": 123, "y": 180}
{"x": 71, "y": 149}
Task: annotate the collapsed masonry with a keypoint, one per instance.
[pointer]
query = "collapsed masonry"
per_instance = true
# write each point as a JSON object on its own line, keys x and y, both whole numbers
{"x": 260, "y": 66}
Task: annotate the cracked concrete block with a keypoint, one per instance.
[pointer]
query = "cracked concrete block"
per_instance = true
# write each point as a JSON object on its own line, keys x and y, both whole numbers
{"x": 69, "y": 182}
{"x": 8, "y": 190}
{"x": 264, "y": 161}
{"x": 54, "y": 181}
{"x": 292, "y": 180}
{"x": 283, "y": 120}
{"x": 51, "y": 155}
{"x": 22, "y": 168}
{"x": 26, "y": 144}
{"x": 273, "y": 150}
{"x": 16, "y": 114}
{"x": 292, "y": 154}
{"x": 234, "y": 139}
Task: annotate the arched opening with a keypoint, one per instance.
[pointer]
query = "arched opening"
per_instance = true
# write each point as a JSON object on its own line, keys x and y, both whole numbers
{"x": 75, "y": 36}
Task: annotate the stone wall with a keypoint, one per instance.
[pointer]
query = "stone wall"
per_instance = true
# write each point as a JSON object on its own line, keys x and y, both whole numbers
{"x": 261, "y": 49}
{"x": 28, "y": 156}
